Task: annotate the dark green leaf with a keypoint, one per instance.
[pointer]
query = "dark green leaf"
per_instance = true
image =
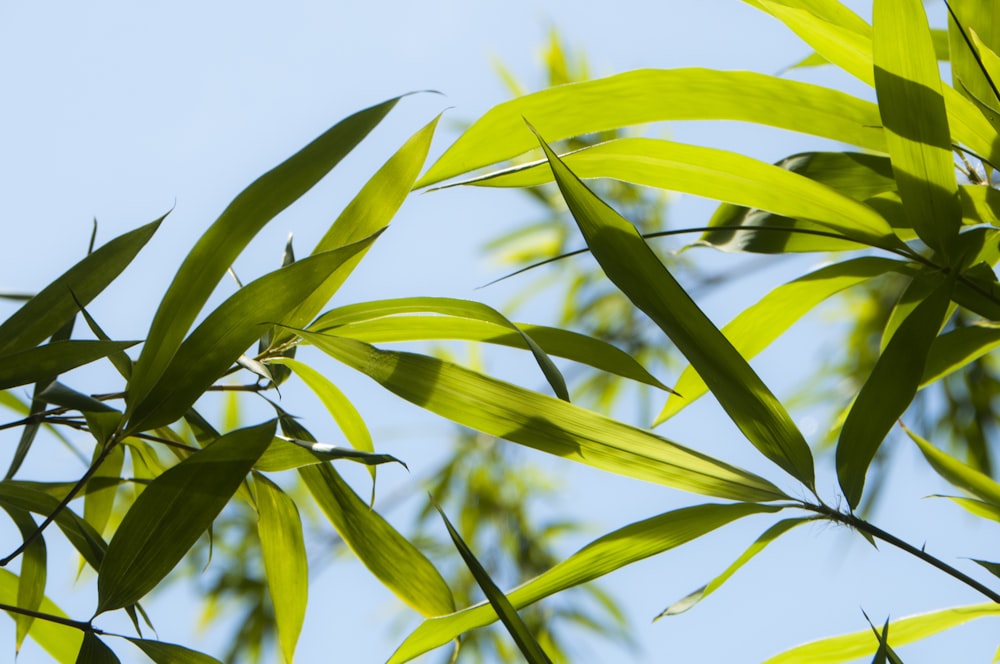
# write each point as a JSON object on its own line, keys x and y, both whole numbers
{"x": 34, "y": 364}
{"x": 95, "y": 651}
{"x": 171, "y": 653}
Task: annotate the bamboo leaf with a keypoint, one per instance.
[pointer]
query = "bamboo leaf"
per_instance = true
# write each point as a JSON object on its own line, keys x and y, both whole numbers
{"x": 103, "y": 487}
{"x": 170, "y": 653}
{"x": 769, "y": 535}
{"x": 31, "y": 581}
{"x": 391, "y": 558}
{"x": 61, "y": 642}
{"x": 992, "y": 568}
{"x": 57, "y": 303}
{"x": 544, "y": 423}
{"x": 285, "y": 562}
{"x": 848, "y": 647}
{"x": 961, "y": 475}
{"x": 955, "y": 349}
{"x": 380, "y": 325}
{"x": 650, "y": 95}
{"x": 913, "y": 112}
{"x": 636, "y": 271}
{"x": 508, "y": 615}
{"x": 52, "y": 359}
{"x": 290, "y": 453}
{"x": 95, "y": 651}
{"x": 888, "y": 391}
{"x": 758, "y": 326}
{"x": 216, "y": 250}
{"x": 227, "y": 332}
{"x": 718, "y": 174}
{"x": 172, "y": 513}
{"x": 613, "y": 551}
{"x": 977, "y": 16}
{"x": 979, "y": 508}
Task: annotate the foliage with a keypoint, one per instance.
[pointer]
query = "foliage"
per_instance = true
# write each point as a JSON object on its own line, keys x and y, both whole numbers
{"x": 160, "y": 474}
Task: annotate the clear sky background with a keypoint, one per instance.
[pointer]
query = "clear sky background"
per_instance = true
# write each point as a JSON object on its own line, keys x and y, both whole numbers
{"x": 122, "y": 111}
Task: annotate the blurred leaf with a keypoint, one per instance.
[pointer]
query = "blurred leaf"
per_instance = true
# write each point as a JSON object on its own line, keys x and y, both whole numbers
{"x": 957, "y": 349}
{"x": 285, "y": 562}
{"x": 769, "y": 535}
{"x": 170, "y": 653}
{"x": 95, "y": 651}
{"x": 544, "y": 423}
{"x": 634, "y": 268}
{"x": 57, "y": 303}
{"x": 650, "y": 95}
{"x": 611, "y": 552}
{"x": 888, "y": 391}
{"x": 172, "y": 513}
{"x": 978, "y": 507}
{"x": 958, "y": 474}
{"x": 52, "y": 359}
{"x": 287, "y": 454}
{"x": 907, "y": 79}
{"x": 522, "y": 636}
{"x": 216, "y": 250}
{"x": 228, "y": 331}
{"x": 31, "y": 580}
{"x": 848, "y": 647}
{"x": 61, "y": 642}
{"x": 759, "y": 325}
{"x": 400, "y": 566}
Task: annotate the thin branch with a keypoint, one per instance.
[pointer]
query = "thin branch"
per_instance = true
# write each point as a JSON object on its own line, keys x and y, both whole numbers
{"x": 75, "y": 624}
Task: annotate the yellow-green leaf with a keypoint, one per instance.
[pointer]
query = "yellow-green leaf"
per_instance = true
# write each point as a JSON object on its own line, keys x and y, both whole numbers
{"x": 61, "y": 642}
{"x": 959, "y": 474}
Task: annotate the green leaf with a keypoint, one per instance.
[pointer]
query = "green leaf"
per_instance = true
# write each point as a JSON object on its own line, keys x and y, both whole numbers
{"x": 980, "y": 508}
{"x": 285, "y": 562}
{"x": 613, "y": 551}
{"x": 508, "y": 615}
{"x": 758, "y": 326}
{"x": 61, "y": 642}
{"x": 458, "y": 309}
{"x": 955, "y": 349}
{"x": 913, "y": 112}
{"x": 59, "y": 302}
{"x": 379, "y": 324}
{"x": 216, "y": 250}
{"x": 172, "y": 513}
{"x": 544, "y": 423}
{"x": 368, "y": 213}
{"x": 961, "y": 475}
{"x": 769, "y": 535}
{"x": 228, "y": 331}
{"x": 31, "y": 581}
{"x": 992, "y": 568}
{"x": 888, "y": 391}
{"x": 170, "y": 653}
{"x": 52, "y": 359}
{"x": 849, "y": 647}
{"x": 287, "y": 454}
{"x": 651, "y": 95}
{"x": 95, "y": 651}
{"x": 712, "y": 173}
{"x": 103, "y": 487}
{"x": 632, "y": 266}
{"x": 391, "y": 557}
{"x": 977, "y": 16}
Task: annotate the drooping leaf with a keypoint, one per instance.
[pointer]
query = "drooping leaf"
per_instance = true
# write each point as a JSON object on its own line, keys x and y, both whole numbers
{"x": 172, "y": 513}
{"x": 602, "y": 556}
{"x": 57, "y": 303}
{"x": 52, "y": 359}
{"x": 95, "y": 651}
{"x": 290, "y": 453}
{"x": 380, "y": 325}
{"x": 847, "y": 647}
{"x": 888, "y": 391}
{"x": 759, "y": 325}
{"x": 651, "y": 95}
{"x": 769, "y": 535}
{"x": 992, "y": 568}
{"x": 913, "y": 112}
{"x": 525, "y": 640}
{"x": 170, "y": 653}
{"x": 61, "y": 642}
{"x": 632, "y": 266}
{"x": 285, "y": 562}
{"x": 958, "y": 474}
{"x": 544, "y": 423}
{"x": 216, "y": 250}
{"x": 399, "y": 565}
{"x": 31, "y": 580}
{"x": 228, "y": 331}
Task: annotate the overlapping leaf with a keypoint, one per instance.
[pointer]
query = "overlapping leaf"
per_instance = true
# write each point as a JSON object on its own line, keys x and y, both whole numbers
{"x": 34, "y": 364}
{"x": 632, "y": 266}
{"x": 61, "y": 642}
{"x": 959, "y": 474}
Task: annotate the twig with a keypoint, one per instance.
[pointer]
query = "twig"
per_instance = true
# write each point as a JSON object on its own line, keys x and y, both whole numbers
{"x": 68, "y": 622}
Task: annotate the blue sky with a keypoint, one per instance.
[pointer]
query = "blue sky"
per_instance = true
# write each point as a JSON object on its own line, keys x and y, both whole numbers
{"x": 122, "y": 111}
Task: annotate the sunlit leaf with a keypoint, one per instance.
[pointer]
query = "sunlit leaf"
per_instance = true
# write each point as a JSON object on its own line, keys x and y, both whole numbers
{"x": 958, "y": 348}
{"x": 31, "y": 581}
{"x": 544, "y": 423}
{"x": 602, "y": 556}
{"x": 978, "y": 17}
{"x": 52, "y": 359}
{"x": 100, "y": 498}
{"x": 290, "y": 453}
{"x": 633, "y": 267}
{"x": 525, "y": 640}
{"x": 848, "y": 647}
{"x": 888, "y": 391}
{"x": 172, "y": 513}
{"x": 651, "y": 95}
{"x": 216, "y": 250}
{"x": 285, "y": 562}
{"x": 958, "y": 474}
{"x": 61, "y": 642}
